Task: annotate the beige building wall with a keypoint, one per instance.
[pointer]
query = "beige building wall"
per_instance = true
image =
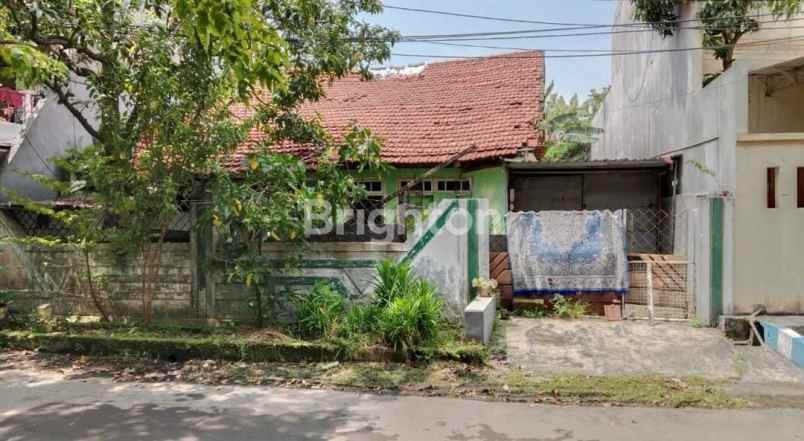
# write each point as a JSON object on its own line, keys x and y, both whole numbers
{"x": 776, "y": 103}
{"x": 658, "y": 107}
{"x": 769, "y": 242}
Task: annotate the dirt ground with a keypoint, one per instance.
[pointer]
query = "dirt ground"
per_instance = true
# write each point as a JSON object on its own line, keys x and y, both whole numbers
{"x": 599, "y": 347}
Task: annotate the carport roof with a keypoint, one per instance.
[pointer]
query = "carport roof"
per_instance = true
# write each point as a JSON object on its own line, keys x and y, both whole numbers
{"x": 615, "y": 164}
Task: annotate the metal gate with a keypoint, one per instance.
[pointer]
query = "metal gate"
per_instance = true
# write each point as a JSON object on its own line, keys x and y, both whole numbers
{"x": 660, "y": 265}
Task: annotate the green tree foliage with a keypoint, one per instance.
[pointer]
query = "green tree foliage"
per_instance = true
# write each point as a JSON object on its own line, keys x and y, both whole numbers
{"x": 568, "y": 125}
{"x": 724, "y": 22}
{"x": 662, "y": 14}
{"x": 162, "y": 77}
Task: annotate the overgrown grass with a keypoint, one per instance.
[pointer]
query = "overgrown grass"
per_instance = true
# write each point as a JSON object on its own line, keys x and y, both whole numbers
{"x": 652, "y": 390}
{"x": 320, "y": 312}
{"x": 505, "y": 383}
{"x": 405, "y": 319}
{"x": 464, "y": 381}
{"x": 557, "y": 307}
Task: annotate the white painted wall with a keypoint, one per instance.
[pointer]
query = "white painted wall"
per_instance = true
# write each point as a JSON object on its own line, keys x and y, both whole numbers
{"x": 769, "y": 255}
{"x": 658, "y": 107}
{"x": 444, "y": 261}
{"x": 776, "y": 105}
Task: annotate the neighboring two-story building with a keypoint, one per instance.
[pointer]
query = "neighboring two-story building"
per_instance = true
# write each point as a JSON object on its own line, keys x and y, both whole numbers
{"x": 35, "y": 129}
{"x": 737, "y": 145}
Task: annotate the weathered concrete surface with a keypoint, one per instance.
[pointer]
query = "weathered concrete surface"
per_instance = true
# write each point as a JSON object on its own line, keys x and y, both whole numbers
{"x": 35, "y": 406}
{"x": 598, "y": 347}
{"x": 478, "y": 318}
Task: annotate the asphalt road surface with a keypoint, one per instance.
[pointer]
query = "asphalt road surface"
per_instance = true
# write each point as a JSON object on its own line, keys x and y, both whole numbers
{"x": 45, "y": 406}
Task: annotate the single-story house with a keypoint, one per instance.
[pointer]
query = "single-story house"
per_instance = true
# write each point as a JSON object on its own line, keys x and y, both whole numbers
{"x": 427, "y": 114}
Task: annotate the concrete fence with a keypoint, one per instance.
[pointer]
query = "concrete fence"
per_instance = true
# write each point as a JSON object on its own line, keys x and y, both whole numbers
{"x": 194, "y": 283}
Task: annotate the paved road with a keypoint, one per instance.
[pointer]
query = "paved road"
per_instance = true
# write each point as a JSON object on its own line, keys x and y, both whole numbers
{"x": 37, "y": 406}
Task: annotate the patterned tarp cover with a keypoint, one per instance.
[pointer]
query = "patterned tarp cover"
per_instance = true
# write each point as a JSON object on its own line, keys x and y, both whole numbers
{"x": 567, "y": 252}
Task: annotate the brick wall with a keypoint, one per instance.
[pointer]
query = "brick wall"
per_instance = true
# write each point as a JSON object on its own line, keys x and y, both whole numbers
{"x": 58, "y": 275}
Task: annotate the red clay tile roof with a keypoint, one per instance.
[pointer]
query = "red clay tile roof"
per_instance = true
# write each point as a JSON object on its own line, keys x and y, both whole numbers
{"x": 425, "y": 118}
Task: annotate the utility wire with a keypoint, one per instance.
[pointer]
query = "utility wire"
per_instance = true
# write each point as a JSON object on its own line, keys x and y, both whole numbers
{"x": 513, "y": 35}
{"x": 553, "y": 23}
{"x": 609, "y": 54}
{"x": 509, "y": 48}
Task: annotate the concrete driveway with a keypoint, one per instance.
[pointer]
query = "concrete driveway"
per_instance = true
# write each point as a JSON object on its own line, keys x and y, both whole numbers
{"x": 599, "y": 347}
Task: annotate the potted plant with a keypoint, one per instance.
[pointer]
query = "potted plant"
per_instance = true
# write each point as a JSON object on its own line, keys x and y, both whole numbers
{"x": 485, "y": 287}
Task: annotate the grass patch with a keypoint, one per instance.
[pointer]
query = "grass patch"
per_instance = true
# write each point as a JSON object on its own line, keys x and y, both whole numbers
{"x": 460, "y": 380}
{"x": 644, "y": 390}
{"x": 438, "y": 378}
{"x": 170, "y": 348}
{"x": 182, "y": 343}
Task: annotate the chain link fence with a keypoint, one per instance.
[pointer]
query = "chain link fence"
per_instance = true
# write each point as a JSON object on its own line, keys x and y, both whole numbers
{"x": 650, "y": 231}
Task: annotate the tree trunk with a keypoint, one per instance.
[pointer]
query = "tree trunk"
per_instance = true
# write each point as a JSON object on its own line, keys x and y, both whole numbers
{"x": 258, "y": 293}
{"x": 105, "y": 316}
{"x": 150, "y": 274}
{"x": 728, "y": 60}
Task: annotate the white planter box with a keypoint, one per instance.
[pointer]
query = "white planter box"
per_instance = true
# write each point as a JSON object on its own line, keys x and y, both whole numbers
{"x": 478, "y": 319}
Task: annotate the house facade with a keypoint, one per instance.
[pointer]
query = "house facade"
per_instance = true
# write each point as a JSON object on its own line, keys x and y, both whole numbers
{"x": 426, "y": 115}
{"x": 466, "y": 119}
{"x": 737, "y": 146}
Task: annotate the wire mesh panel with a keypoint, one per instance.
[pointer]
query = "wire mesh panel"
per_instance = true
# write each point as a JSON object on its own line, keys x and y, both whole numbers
{"x": 33, "y": 223}
{"x": 666, "y": 287}
{"x": 37, "y": 224}
{"x": 650, "y": 231}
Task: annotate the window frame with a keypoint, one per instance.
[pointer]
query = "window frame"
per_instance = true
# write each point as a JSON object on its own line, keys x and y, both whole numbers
{"x": 461, "y": 180}
{"x": 381, "y": 191}
{"x": 401, "y": 182}
{"x": 772, "y": 187}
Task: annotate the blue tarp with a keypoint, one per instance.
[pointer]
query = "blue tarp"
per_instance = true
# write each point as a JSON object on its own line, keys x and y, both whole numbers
{"x": 568, "y": 252}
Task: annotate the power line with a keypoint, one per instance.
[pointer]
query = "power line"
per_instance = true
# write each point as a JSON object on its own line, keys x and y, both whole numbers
{"x": 510, "y": 48}
{"x": 524, "y": 34}
{"x": 506, "y": 48}
{"x": 508, "y": 36}
{"x": 553, "y": 23}
{"x": 483, "y": 17}
{"x": 609, "y": 54}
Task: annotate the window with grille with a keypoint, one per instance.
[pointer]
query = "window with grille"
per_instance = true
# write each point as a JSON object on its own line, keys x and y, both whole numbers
{"x": 372, "y": 187}
{"x": 420, "y": 187}
{"x": 375, "y": 193}
{"x": 455, "y": 185}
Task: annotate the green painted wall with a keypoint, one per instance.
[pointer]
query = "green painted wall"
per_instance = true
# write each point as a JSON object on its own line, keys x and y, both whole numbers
{"x": 488, "y": 183}
{"x": 492, "y": 184}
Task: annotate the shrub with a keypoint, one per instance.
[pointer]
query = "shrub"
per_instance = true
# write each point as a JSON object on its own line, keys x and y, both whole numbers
{"x": 393, "y": 280}
{"x": 412, "y": 318}
{"x": 319, "y": 312}
{"x": 6, "y": 298}
{"x": 361, "y": 319}
{"x": 564, "y": 307}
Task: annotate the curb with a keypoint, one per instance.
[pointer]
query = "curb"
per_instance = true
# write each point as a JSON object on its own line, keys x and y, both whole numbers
{"x": 785, "y": 341}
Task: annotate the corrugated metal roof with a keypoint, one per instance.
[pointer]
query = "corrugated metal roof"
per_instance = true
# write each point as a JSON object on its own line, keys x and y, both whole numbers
{"x": 612, "y": 164}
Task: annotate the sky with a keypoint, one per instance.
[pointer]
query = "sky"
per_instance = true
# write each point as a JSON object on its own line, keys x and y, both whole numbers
{"x": 571, "y": 75}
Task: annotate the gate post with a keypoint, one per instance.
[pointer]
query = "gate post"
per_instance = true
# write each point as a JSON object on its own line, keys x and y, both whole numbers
{"x": 716, "y": 259}
{"x": 201, "y": 240}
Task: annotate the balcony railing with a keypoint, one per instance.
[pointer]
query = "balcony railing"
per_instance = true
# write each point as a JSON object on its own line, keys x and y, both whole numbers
{"x": 17, "y": 110}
